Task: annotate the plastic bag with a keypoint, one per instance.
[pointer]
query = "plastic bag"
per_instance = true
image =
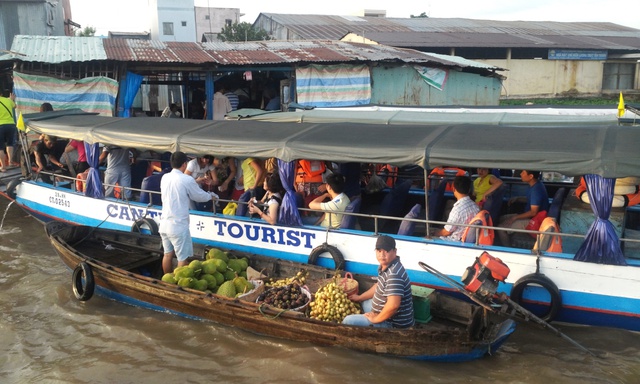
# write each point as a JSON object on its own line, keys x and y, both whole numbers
{"x": 230, "y": 209}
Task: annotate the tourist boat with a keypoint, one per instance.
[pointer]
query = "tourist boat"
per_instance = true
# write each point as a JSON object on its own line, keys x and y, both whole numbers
{"x": 127, "y": 267}
{"x": 600, "y": 292}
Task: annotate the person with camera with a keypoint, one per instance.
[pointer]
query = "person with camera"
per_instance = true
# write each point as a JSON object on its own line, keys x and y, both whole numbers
{"x": 267, "y": 208}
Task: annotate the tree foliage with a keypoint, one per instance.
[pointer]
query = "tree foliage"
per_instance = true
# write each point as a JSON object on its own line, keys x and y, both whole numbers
{"x": 86, "y": 32}
{"x": 242, "y": 32}
{"x": 422, "y": 15}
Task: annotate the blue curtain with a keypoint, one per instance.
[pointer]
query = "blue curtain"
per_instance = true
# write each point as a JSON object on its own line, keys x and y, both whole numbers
{"x": 208, "y": 90}
{"x": 601, "y": 244}
{"x": 128, "y": 90}
{"x": 288, "y": 213}
{"x": 94, "y": 185}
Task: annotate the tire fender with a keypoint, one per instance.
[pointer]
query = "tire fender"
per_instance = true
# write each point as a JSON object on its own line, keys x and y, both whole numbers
{"x": 145, "y": 222}
{"x": 338, "y": 259}
{"x": 11, "y": 188}
{"x": 83, "y": 292}
{"x": 544, "y": 282}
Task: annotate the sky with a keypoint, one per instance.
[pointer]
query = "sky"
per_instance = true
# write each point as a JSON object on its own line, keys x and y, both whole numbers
{"x": 128, "y": 15}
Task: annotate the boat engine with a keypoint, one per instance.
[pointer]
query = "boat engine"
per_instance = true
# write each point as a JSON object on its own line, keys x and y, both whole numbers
{"x": 483, "y": 276}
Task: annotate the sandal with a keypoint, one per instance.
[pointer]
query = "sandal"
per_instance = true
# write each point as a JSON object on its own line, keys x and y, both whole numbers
{"x": 2, "y": 170}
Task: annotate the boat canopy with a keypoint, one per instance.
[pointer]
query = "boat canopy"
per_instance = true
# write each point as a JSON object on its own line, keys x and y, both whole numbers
{"x": 413, "y": 116}
{"x": 607, "y": 150}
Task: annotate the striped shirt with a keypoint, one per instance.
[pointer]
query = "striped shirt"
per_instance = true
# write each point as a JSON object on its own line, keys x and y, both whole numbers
{"x": 462, "y": 212}
{"x": 394, "y": 281}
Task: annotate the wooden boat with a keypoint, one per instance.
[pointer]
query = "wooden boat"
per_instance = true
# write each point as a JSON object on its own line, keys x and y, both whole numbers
{"x": 118, "y": 263}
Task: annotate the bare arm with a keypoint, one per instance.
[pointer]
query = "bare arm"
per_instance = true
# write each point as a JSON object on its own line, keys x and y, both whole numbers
{"x": 390, "y": 308}
{"x": 495, "y": 184}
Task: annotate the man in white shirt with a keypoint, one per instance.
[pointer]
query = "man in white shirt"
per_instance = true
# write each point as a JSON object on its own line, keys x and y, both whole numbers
{"x": 462, "y": 212}
{"x": 338, "y": 202}
{"x": 177, "y": 191}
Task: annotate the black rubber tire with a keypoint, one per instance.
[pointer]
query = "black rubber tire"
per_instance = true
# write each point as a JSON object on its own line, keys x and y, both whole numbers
{"x": 83, "y": 292}
{"x": 338, "y": 259}
{"x": 150, "y": 223}
{"x": 11, "y": 188}
{"x": 544, "y": 282}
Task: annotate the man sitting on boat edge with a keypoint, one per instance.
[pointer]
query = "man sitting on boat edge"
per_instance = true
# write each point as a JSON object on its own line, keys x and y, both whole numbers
{"x": 388, "y": 303}
{"x": 177, "y": 190}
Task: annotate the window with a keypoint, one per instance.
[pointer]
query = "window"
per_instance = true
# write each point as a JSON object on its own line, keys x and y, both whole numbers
{"x": 618, "y": 76}
{"x": 228, "y": 22}
{"x": 167, "y": 28}
{"x": 184, "y": 23}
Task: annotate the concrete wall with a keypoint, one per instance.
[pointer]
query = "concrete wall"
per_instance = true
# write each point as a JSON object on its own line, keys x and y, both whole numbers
{"x": 549, "y": 78}
{"x": 216, "y": 21}
{"x": 176, "y": 12}
{"x": 394, "y": 85}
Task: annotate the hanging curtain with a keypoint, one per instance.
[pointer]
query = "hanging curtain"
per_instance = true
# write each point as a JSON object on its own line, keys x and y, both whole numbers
{"x": 288, "y": 213}
{"x": 128, "y": 91}
{"x": 601, "y": 245}
{"x": 208, "y": 90}
{"x": 94, "y": 185}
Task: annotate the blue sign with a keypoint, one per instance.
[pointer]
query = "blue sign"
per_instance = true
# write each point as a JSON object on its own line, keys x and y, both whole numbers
{"x": 576, "y": 54}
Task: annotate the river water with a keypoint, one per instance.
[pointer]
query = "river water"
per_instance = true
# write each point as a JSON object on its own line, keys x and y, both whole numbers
{"x": 47, "y": 336}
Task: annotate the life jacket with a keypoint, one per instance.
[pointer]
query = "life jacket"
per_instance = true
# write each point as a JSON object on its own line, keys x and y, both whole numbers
{"x": 388, "y": 170}
{"x": 81, "y": 180}
{"x": 309, "y": 172}
{"x": 546, "y": 241}
{"x": 445, "y": 173}
{"x": 485, "y": 235}
{"x": 624, "y": 194}
{"x": 117, "y": 191}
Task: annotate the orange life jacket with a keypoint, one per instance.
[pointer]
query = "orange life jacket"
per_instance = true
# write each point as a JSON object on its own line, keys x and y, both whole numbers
{"x": 390, "y": 171}
{"x": 446, "y": 173}
{"x": 548, "y": 242}
{"x": 485, "y": 235}
{"x": 80, "y": 182}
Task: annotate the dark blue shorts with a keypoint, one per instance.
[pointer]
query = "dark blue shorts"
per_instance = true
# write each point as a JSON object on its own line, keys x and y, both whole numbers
{"x": 7, "y": 136}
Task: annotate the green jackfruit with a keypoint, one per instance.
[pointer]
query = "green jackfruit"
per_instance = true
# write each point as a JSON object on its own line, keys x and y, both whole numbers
{"x": 215, "y": 253}
{"x": 227, "y": 289}
{"x": 235, "y": 264}
{"x": 229, "y": 275}
{"x": 168, "y": 278}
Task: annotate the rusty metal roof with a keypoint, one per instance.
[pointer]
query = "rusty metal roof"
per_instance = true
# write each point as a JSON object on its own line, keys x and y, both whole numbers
{"x": 74, "y": 49}
{"x": 457, "y": 32}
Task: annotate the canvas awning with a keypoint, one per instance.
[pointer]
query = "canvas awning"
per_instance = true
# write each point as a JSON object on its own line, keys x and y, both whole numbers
{"x": 606, "y": 150}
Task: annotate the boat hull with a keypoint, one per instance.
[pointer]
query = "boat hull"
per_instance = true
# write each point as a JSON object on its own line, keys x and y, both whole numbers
{"x": 437, "y": 344}
{"x": 592, "y": 294}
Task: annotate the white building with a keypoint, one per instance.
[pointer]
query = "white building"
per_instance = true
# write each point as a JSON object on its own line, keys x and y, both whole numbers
{"x": 172, "y": 20}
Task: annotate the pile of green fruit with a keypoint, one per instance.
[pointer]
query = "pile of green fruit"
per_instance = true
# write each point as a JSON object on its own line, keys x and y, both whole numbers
{"x": 289, "y": 296}
{"x": 220, "y": 273}
{"x": 331, "y": 303}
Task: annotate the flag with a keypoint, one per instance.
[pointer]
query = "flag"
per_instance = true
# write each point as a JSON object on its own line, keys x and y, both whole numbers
{"x": 621, "y": 106}
{"x": 20, "y": 123}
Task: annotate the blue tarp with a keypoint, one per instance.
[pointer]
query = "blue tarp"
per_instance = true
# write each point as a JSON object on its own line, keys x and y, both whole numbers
{"x": 288, "y": 214}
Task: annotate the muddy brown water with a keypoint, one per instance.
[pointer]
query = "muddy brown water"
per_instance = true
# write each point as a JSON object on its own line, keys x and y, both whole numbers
{"x": 47, "y": 336}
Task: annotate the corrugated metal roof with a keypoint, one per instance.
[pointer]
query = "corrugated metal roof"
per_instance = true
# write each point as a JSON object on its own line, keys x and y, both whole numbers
{"x": 271, "y": 52}
{"x": 457, "y": 32}
{"x": 58, "y": 49}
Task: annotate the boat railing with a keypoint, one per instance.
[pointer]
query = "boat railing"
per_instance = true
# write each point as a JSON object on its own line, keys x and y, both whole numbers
{"x": 64, "y": 181}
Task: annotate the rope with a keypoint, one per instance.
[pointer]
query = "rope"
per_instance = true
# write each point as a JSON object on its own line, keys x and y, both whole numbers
{"x": 270, "y": 317}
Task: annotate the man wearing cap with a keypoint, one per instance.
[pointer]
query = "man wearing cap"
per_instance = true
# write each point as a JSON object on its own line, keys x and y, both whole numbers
{"x": 387, "y": 304}
{"x": 177, "y": 190}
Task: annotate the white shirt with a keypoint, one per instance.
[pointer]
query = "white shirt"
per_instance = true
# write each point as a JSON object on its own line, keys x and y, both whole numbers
{"x": 177, "y": 191}
{"x": 195, "y": 169}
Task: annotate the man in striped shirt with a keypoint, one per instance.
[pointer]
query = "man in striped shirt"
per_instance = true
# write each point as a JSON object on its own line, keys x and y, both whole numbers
{"x": 387, "y": 304}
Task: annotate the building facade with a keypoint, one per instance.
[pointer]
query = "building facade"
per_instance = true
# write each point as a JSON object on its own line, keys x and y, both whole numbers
{"x": 172, "y": 20}
{"x": 541, "y": 59}
{"x": 210, "y": 21}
